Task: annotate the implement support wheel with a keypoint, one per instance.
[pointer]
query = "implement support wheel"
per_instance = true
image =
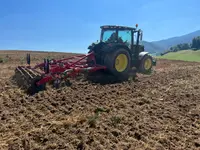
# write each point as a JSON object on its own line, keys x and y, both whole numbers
{"x": 34, "y": 88}
{"x": 118, "y": 63}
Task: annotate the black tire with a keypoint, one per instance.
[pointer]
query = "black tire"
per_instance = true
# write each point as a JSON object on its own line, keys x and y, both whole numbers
{"x": 109, "y": 62}
{"x": 142, "y": 68}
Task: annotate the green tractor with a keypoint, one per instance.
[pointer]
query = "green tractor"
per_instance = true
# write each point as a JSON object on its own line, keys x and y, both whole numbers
{"x": 121, "y": 51}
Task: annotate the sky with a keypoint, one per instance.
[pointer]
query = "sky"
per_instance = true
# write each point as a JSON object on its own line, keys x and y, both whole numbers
{"x": 70, "y": 26}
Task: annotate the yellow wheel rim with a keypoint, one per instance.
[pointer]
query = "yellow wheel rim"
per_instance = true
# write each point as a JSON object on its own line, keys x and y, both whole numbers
{"x": 121, "y": 62}
{"x": 147, "y": 64}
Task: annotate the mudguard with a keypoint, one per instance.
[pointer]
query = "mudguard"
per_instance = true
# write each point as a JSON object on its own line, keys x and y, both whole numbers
{"x": 106, "y": 47}
{"x": 142, "y": 54}
{"x": 114, "y": 46}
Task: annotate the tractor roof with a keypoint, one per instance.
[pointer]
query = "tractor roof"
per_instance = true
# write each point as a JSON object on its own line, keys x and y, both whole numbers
{"x": 117, "y": 27}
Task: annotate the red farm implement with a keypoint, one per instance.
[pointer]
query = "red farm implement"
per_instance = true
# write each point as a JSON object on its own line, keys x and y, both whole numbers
{"x": 118, "y": 53}
{"x": 36, "y": 77}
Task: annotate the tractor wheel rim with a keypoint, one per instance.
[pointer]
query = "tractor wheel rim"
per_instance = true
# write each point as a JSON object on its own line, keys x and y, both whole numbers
{"x": 121, "y": 62}
{"x": 147, "y": 64}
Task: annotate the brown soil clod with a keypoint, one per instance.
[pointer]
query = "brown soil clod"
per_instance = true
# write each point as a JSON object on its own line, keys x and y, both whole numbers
{"x": 158, "y": 111}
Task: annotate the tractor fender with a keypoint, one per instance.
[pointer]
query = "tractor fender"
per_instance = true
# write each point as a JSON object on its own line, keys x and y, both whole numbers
{"x": 114, "y": 47}
{"x": 142, "y": 54}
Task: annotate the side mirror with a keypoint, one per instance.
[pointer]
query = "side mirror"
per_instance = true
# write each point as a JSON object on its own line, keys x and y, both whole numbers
{"x": 141, "y": 34}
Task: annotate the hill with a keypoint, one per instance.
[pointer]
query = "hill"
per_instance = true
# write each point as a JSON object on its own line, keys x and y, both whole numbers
{"x": 160, "y": 46}
{"x": 186, "y": 55}
{"x": 151, "y": 47}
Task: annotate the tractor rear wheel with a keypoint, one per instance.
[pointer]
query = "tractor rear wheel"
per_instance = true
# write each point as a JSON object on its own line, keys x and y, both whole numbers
{"x": 146, "y": 64}
{"x": 118, "y": 63}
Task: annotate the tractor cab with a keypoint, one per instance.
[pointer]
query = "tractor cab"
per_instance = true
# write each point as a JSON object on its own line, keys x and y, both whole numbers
{"x": 131, "y": 37}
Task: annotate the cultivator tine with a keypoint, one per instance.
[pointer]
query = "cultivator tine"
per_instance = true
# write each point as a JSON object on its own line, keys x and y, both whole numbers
{"x": 34, "y": 73}
{"x": 18, "y": 70}
{"x": 26, "y": 71}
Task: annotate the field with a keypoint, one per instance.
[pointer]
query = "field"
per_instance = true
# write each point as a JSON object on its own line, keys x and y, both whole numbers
{"x": 160, "y": 111}
{"x": 185, "y": 55}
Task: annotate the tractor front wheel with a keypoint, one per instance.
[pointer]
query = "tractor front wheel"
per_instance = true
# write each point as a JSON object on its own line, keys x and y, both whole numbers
{"x": 146, "y": 64}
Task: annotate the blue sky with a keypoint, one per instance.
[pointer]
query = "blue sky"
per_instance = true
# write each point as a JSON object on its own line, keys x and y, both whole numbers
{"x": 64, "y": 25}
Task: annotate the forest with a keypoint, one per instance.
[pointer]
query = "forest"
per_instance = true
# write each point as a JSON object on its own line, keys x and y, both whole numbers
{"x": 195, "y": 45}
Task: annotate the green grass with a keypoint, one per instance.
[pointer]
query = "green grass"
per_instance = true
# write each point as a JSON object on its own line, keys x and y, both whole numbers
{"x": 185, "y": 55}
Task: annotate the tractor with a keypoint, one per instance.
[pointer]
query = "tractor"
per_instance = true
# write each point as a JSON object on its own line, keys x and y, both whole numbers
{"x": 119, "y": 53}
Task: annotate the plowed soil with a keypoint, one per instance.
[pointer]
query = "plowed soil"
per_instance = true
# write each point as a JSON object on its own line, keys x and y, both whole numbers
{"x": 160, "y": 111}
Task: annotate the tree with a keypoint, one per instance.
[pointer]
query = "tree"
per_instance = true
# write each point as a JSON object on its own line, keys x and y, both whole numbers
{"x": 196, "y": 42}
{"x": 179, "y": 47}
{"x": 184, "y": 46}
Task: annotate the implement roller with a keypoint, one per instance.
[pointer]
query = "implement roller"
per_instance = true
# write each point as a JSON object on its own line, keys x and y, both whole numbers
{"x": 118, "y": 54}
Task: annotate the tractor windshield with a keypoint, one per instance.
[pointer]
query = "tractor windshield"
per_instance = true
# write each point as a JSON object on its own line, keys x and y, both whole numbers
{"x": 109, "y": 36}
{"x": 124, "y": 36}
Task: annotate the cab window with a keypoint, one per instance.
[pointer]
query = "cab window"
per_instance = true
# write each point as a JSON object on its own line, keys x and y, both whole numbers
{"x": 125, "y": 37}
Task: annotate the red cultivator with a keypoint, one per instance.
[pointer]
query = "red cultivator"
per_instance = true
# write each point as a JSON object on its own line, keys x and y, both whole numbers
{"x": 35, "y": 78}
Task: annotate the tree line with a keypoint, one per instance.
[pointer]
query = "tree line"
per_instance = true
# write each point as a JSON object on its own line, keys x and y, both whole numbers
{"x": 195, "y": 45}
